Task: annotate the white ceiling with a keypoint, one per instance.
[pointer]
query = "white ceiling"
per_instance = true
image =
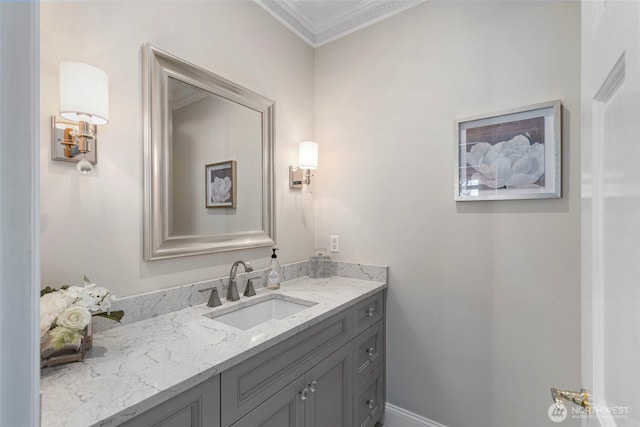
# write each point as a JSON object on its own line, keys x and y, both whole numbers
{"x": 320, "y": 21}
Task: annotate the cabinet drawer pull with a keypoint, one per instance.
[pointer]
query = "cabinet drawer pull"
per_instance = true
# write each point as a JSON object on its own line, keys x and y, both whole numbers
{"x": 304, "y": 393}
{"x": 371, "y": 403}
{"x": 371, "y": 351}
{"x": 371, "y": 311}
{"x": 313, "y": 386}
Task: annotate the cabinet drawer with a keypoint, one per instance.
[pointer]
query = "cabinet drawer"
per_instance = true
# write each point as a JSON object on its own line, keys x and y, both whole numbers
{"x": 250, "y": 383}
{"x": 196, "y": 407}
{"x": 368, "y": 399}
{"x": 367, "y": 351}
{"x": 368, "y": 312}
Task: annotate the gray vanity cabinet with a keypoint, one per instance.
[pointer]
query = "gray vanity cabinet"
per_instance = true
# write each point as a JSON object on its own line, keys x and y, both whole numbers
{"x": 197, "y": 407}
{"x": 330, "y": 375}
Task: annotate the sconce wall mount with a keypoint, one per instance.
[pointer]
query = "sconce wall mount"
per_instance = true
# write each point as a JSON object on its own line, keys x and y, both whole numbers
{"x": 65, "y": 148}
{"x": 307, "y": 161}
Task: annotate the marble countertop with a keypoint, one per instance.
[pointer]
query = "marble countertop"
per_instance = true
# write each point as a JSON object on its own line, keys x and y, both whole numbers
{"x": 137, "y": 366}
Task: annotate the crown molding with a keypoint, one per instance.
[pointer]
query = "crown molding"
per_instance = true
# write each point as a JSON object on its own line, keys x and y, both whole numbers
{"x": 352, "y": 18}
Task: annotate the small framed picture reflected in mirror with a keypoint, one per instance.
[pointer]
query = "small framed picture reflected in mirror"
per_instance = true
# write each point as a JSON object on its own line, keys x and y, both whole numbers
{"x": 221, "y": 184}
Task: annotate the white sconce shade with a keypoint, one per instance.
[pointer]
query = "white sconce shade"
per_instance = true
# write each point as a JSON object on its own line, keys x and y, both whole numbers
{"x": 84, "y": 91}
{"x": 308, "y": 155}
{"x": 307, "y": 160}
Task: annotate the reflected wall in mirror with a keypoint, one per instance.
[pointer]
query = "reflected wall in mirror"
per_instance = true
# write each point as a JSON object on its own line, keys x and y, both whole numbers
{"x": 195, "y": 119}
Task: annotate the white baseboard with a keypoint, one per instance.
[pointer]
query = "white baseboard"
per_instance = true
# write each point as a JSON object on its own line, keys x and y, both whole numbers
{"x": 395, "y": 416}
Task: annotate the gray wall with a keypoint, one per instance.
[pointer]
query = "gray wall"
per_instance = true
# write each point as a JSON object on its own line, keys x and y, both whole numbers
{"x": 484, "y": 298}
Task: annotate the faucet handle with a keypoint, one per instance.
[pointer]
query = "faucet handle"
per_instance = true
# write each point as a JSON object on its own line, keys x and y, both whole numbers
{"x": 249, "y": 290}
{"x": 214, "y": 298}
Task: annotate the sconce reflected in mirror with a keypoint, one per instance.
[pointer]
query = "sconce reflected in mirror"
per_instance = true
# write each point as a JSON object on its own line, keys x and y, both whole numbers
{"x": 307, "y": 161}
{"x": 84, "y": 102}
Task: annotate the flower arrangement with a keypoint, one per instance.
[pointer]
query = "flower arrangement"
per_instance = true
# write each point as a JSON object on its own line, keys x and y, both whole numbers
{"x": 66, "y": 313}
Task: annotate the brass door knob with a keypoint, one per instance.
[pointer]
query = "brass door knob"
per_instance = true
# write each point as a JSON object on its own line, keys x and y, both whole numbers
{"x": 580, "y": 398}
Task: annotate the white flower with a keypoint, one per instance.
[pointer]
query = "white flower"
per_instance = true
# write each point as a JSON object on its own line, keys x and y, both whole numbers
{"x": 74, "y": 291}
{"x": 86, "y": 296}
{"x": 105, "y": 304}
{"x": 83, "y": 299}
{"x": 75, "y": 317}
{"x": 53, "y": 303}
{"x": 220, "y": 189}
{"x": 46, "y": 321}
{"x": 96, "y": 291}
{"x": 514, "y": 163}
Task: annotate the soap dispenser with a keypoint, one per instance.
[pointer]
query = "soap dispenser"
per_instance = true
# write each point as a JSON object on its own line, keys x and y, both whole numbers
{"x": 274, "y": 275}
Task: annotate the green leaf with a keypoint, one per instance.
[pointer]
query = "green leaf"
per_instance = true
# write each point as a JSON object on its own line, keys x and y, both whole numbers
{"x": 86, "y": 279}
{"x": 61, "y": 336}
{"x": 64, "y": 287}
{"x": 47, "y": 290}
{"x": 114, "y": 315}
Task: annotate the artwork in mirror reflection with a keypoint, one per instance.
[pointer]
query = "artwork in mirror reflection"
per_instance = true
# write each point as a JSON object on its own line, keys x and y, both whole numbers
{"x": 220, "y": 179}
{"x": 207, "y": 131}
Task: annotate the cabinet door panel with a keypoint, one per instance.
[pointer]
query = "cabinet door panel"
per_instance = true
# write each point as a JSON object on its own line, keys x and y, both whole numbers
{"x": 196, "y": 407}
{"x": 330, "y": 404}
{"x": 283, "y": 409}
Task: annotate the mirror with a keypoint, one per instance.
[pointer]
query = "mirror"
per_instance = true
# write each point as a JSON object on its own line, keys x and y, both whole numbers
{"x": 208, "y": 161}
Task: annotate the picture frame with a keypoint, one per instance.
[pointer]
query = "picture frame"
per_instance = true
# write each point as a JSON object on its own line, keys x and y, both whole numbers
{"x": 510, "y": 154}
{"x": 220, "y": 184}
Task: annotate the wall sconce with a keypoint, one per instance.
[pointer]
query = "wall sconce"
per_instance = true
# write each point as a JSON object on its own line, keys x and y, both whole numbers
{"x": 84, "y": 101}
{"x": 307, "y": 161}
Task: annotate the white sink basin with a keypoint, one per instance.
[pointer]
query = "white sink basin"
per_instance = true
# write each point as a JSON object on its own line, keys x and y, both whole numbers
{"x": 249, "y": 316}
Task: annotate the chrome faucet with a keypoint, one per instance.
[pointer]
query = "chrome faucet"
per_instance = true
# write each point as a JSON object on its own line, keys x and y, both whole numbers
{"x": 232, "y": 290}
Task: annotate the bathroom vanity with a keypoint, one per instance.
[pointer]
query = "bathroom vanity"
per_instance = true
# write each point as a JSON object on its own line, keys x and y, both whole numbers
{"x": 327, "y": 375}
{"x": 321, "y": 366}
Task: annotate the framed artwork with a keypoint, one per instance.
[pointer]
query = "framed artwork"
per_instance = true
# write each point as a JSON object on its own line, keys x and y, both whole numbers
{"x": 220, "y": 184}
{"x": 513, "y": 154}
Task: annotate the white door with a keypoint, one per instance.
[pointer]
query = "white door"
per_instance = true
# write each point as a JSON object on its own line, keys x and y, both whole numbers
{"x": 611, "y": 211}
